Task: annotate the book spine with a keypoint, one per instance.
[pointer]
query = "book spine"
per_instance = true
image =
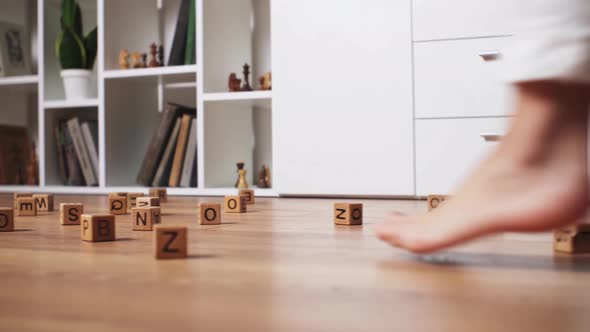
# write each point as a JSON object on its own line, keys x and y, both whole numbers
{"x": 91, "y": 147}
{"x": 189, "y": 159}
{"x": 179, "y": 42}
{"x": 165, "y": 160}
{"x": 74, "y": 171}
{"x": 180, "y": 149}
{"x": 189, "y": 53}
{"x": 81, "y": 153}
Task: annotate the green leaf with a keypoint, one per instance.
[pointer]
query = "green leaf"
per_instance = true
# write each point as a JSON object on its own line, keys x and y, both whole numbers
{"x": 68, "y": 12}
{"x": 70, "y": 50}
{"x": 77, "y": 28}
{"x": 91, "y": 45}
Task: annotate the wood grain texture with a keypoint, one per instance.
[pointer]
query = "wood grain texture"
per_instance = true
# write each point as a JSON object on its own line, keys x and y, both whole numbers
{"x": 282, "y": 266}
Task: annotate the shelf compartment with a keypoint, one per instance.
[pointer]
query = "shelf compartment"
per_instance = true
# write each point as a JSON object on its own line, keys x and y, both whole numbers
{"x": 156, "y": 71}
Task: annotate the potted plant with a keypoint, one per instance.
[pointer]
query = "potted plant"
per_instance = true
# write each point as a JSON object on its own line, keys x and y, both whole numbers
{"x": 76, "y": 52}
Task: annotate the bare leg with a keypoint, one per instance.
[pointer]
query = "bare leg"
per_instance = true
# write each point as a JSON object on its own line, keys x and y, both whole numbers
{"x": 535, "y": 180}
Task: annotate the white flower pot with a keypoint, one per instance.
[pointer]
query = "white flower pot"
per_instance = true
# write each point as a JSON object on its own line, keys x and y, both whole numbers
{"x": 76, "y": 83}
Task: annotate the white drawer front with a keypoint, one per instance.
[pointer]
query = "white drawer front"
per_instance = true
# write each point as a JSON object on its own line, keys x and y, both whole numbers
{"x": 452, "y": 78}
{"x": 446, "y": 19}
{"x": 447, "y": 149}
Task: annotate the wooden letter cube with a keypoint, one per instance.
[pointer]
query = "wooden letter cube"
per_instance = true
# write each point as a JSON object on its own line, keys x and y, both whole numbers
{"x": 170, "y": 241}
{"x": 144, "y": 218}
{"x": 119, "y": 194}
{"x": 210, "y": 214}
{"x": 147, "y": 201}
{"x": 43, "y": 202}
{"x": 574, "y": 239}
{"x": 117, "y": 205}
{"x": 132, "y": 200}
{"x": 249, "y": 195}
{"x": 98, "y": 228}
{"x": 435, "y": 201}
{"x": 348, "y": 214}
{"x": 162, "y": 193}
{"x": 235, "y": 204}
{"x": 26, "y": 206}
{"x": 6, "y": 220}
{"x": 15, "y": 196}
{"x": 70, "y": 213}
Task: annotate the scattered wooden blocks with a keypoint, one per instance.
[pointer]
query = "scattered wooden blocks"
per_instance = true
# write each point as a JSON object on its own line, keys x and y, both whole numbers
{"x": 249, "y": 195}
{"x": 25, "y": 206}
{"x": 235, "y": 204}
{"x": 6, "y": 220}
{"x": 170, "y": 241}
{"x": 15, "y": 196}
{"x": 147, "y": 201}
{"x": 70, "y": 213}
{"x": 162, "y": 193}
{"x": 435, "y": 201}
{"x": 132, "y": 200}
{"x": 144, "y": 218}
{"x": 348, "y": 214}
{"x": 43, "y": 202}
{"x": 574, "y": 239}
{"x": 118, "y": 205}
{"x": 210, "y": 214}
{"x": 98, "y": 228}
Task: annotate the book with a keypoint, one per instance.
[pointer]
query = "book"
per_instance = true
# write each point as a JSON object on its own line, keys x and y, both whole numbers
{"x": 73, "y": 169}
{"x": 61, "y": 159}
{"x": 177, "y": 51}
{"x": 154, "y": 150}
{"x": 189, "y": 52}
{"x": 81, "y": 152}
{"x": 165, "y": 160}
{"x": 90, "y": 142}
{"x": 180, "y": 150}
{"x": 189, "y": 159}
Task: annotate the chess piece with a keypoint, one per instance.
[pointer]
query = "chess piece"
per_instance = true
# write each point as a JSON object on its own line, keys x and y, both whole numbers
{"x": 246, "y": 86}
{"x": 242, "y": 183}
{"x": 234, "y": 83}
{"x": 153, "y": 52}
{"x": 266, "y": 81}
{"x": 264, "y": 177}
{"x": 161, "y": 56}
{"x": 144, "y": 59}
{"x": 240, "y": 166}
{"x": 136, "y": 60}
{"x": 124, "y": 59}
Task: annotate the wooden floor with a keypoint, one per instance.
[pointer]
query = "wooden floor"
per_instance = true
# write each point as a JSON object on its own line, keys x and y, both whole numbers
{"x": 283, "y": 266}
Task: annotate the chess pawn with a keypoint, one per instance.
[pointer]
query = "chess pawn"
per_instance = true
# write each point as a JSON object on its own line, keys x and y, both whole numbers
{"x": 240, "y": 166}
{"x": 246, "y": 86}
{"x": 136, "y": 60}
{"x": 161, "y": 56}
{"x": 242, "y": 183}
{"x": 124, "y": 59}
{"x": 144, "y": 60}
{"x": 153, "y": 52}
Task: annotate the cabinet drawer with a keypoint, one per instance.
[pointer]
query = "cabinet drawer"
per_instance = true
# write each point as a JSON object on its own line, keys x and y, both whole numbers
{"x": 436, "y": 19}
{"x": 461, "y": 78}
{"x": 447, "y": 149}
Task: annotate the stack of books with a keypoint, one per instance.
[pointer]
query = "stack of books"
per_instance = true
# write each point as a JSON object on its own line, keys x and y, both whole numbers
{"x": 183, "y": 45}
{"x": 77, "y": 152}
{"x": 170, "y": 159}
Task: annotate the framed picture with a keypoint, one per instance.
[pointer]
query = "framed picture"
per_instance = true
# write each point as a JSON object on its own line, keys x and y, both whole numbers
{"x": 14, "y": 51}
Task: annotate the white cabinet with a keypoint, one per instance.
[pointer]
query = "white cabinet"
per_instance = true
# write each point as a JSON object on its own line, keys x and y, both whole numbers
{"x": 342, "y": 97}
{"x": 447, "y": 149}
{"x": 461, "y": 78}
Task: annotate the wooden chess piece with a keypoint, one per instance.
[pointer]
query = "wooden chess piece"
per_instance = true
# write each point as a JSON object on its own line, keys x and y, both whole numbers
{"x": 240, "y": 166}
{"x": 161, "y": 56}
{"x": 136, "y": 60}
{"x": 266, "y": 81}
{"x": 233, "y": 82}
{"x": 124, "y": 59}
{"x": 264, "y": 177}
{"x": 242, "y": 183}
{"x": 144, "y": 59}
{"x": 153, "y": 52}
{"x": 246, "y": 86}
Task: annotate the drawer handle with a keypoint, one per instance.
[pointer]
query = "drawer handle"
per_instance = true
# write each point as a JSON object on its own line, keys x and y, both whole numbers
{"x": 490, "y": 55}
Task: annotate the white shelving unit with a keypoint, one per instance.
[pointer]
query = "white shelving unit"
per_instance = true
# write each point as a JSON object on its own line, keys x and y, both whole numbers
{"x": 232, "y": 127}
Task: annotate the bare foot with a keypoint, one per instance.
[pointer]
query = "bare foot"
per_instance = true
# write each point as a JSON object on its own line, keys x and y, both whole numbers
{"x": 535, "y": 180}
